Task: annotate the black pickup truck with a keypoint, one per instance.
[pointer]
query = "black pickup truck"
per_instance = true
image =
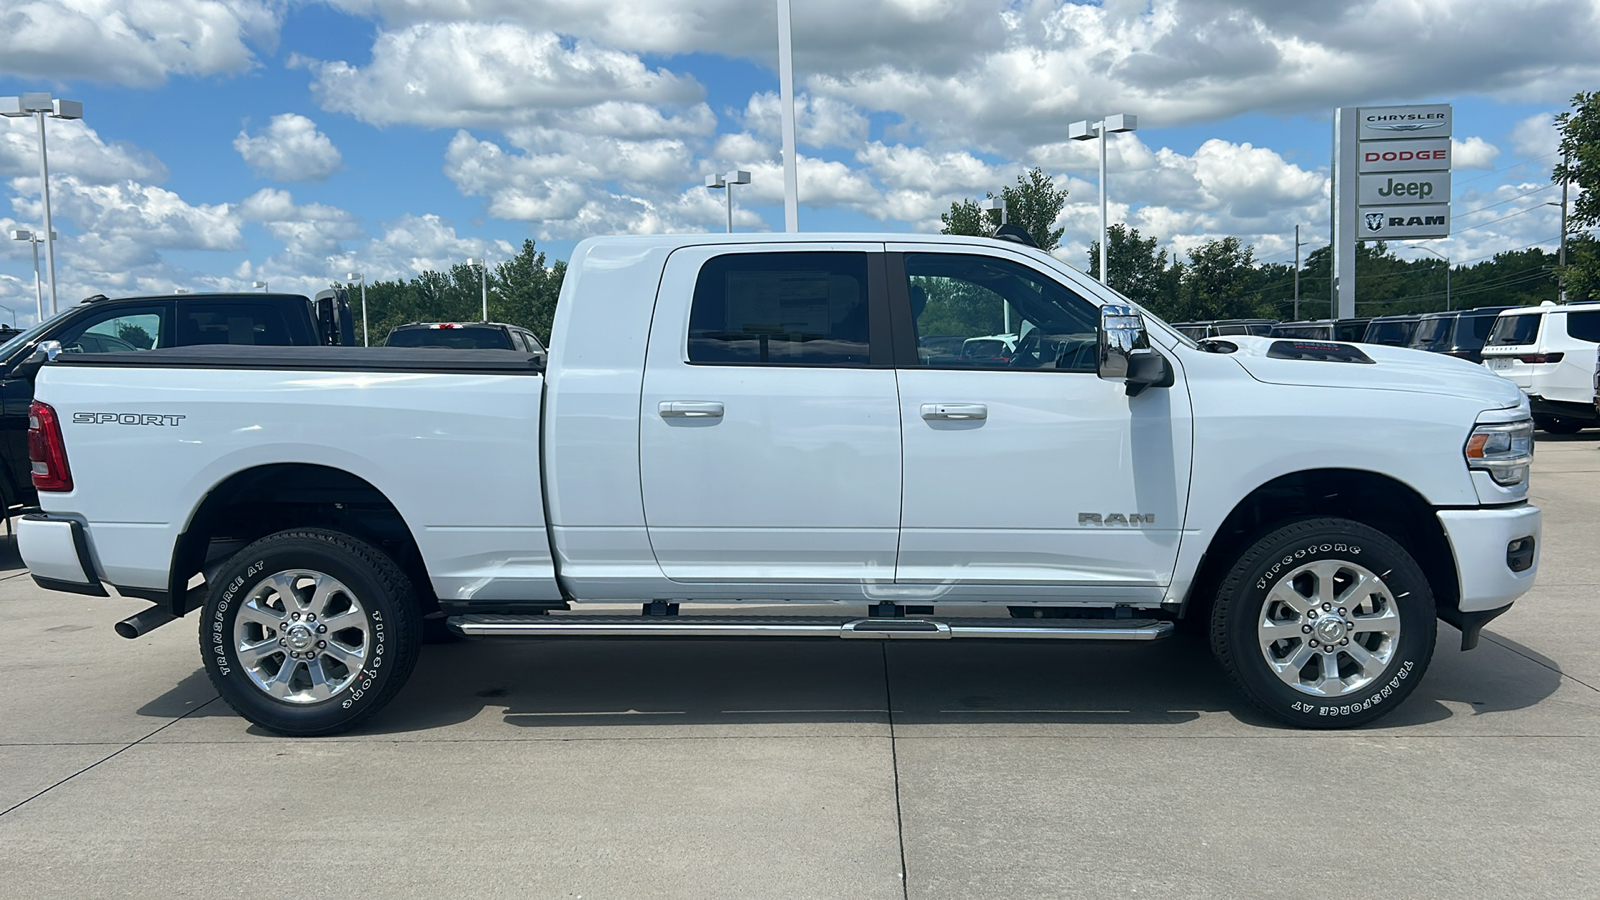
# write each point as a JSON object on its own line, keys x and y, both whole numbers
{"x": 102, "y": 325}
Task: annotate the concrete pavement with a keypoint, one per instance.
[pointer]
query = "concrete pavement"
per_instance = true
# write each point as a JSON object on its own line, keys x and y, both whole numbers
{"x": 711, "y": 769}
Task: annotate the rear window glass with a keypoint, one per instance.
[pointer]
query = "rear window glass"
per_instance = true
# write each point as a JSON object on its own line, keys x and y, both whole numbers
{"x": 1472, "y": 331}
{"x": 260, "y": 324}
{"x": 1523, "y": 329}
{"x": 805, "y": 309}
{"x": 465, "y": 337}
{"x": 1395, "y": 334}
{"x": 1434, "y": 331}
{"x": 1585, "y": 326}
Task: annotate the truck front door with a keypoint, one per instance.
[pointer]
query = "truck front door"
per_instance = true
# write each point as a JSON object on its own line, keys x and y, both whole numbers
{"x": 1026, "y": 475}
{"x": 769, "y": 426}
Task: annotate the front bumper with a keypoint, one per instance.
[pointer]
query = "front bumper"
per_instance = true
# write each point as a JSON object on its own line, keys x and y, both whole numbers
{"x": 1480, "y": 538}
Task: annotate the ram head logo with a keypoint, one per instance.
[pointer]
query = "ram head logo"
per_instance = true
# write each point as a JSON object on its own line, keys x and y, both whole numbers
{"x": 1375, "y": 221}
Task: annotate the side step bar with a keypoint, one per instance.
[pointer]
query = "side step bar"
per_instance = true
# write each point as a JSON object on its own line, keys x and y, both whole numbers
{"x": 581, "y": 626}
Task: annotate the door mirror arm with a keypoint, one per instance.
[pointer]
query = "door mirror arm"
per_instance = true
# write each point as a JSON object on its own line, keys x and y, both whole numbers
{"x": 1125, "y": 353}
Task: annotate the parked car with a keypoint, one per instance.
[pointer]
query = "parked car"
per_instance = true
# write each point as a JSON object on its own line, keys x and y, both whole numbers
{"x": 989, "y": 349}
{"x": 1322, "y": 329}
{"x": 736, "y": 424}
{"x": 940, "y": 347}
{"x": 100, "y": 324}
{"x": 1202, "y": 330}
{"x": 1547, "y": 350}
{"x": 466, "y": 336}
{"x": 1460, "y": 333}
{"x": 1396, "y": 331}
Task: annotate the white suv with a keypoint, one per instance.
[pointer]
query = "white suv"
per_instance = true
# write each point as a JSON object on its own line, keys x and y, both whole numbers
{"x": 1548, "y": 351}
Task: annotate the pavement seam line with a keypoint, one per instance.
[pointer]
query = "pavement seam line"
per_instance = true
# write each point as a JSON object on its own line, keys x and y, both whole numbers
{"x": 108, "y": 758}
{"x": 1490, "y": 639}
{"x": 894, "y": 762}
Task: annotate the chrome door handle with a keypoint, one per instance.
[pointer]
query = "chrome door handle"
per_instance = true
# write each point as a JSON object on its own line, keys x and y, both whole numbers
{"x": 956, "y": 411}
{"x": 688, "y": 409}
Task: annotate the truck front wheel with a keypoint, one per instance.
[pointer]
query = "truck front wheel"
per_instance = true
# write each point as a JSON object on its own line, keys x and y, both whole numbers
{"x": 1324, "y": 623}
{"x": 308, "y": 632}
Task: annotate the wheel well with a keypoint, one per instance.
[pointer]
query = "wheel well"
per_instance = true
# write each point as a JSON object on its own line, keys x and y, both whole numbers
{"x": 257, "y": 502}
{"x": 1375, "y": 500}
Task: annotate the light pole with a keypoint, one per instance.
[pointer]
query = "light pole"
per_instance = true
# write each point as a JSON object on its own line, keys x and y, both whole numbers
{"x": 1561, "y": 257}
{"x": 1446, "y": 273}
{"x": 791, "y": 160}
{"x": 483, "y": 270}
{"x": 41, "y": 106}
{"x": 259, "y": 284}
{"x": 993, "y": 203}
{"x": 1088, "y": 131}
{"x": 13, "y": 315}
{"x": 32, "y": 237}
{"x": 726, "y": 182}
{"x": 362, "y": 276}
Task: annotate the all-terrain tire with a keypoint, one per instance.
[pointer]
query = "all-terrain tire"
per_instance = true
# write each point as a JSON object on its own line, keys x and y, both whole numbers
{"x": 1324, "y": 623}
{"x": 339, "y": 606}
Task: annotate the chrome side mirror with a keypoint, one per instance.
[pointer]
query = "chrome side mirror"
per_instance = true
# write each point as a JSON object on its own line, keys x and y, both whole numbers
{"x": 1121, "y": 333}
{"x": 1125, "y": 352}
{"x": 45, "y": 351}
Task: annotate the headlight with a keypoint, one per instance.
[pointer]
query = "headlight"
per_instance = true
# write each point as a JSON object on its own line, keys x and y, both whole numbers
{"x": 1504, "y": 450}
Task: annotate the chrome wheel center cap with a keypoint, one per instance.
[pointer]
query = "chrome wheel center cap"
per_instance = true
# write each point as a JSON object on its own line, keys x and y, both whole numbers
{"x": 1329, "y": 629}
{"x": 300, "y": 637}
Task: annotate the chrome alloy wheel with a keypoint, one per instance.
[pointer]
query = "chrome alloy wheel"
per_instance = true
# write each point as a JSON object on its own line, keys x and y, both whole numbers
{"x": 1329, "y": 628}
{"x": 301, "y": 635}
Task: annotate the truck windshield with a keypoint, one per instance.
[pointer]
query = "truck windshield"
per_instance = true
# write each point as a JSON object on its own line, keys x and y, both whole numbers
{"x": 460, "y": 337}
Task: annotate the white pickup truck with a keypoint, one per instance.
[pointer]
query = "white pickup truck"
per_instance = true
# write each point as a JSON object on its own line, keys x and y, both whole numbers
{"x": 742, "y": 436}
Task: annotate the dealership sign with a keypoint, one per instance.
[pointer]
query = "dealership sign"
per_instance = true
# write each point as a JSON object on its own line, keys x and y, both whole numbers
{"x": 1403, "y": 160}
{"x": 1382, "y": 223}
{"x": 1389, "y": 188}
{"x": 1423, "y": 155}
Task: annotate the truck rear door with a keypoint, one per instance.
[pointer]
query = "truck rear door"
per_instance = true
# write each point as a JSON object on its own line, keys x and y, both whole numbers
{"x": 769, "y": 423}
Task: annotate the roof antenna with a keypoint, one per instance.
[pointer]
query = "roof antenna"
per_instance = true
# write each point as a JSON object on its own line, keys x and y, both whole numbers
{"x": 1016, "y": 234}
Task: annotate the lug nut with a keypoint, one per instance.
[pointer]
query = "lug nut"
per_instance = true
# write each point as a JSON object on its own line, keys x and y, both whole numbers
{"x": 283, "y": 642}
{"x": 1306, "y": 629}
{"x": 322, "y": 644}
{"x": 312, "y": 617}
{"x": 1327, "y": 606}
{"x": 1341, "y": 611}
{"x": 1313, "y": 643}
{"x": 1344, "y": 642}
{"x": 323, "y": 629}
{"x": 295, "y": 616}
{"x": 1312, "y": 614}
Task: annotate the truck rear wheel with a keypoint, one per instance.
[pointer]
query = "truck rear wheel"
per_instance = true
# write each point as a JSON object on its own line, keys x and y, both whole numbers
{"x": 309, "y": 632}
{"x": 1324, "y": 623}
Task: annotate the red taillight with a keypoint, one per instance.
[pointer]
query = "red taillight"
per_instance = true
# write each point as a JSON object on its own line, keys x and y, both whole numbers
{"x": 1535, "y": 358}
{"x": 47, "y": 450}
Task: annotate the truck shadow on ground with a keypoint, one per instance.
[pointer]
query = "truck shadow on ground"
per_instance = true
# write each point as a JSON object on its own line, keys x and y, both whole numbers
{"x": 569, "y": 684}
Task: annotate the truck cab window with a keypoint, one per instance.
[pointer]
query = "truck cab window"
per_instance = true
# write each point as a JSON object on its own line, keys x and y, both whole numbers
{"x": 781, "y": 309}
{"x": 980, "y": 312}
{"x": 126, "y": 330}
{"x": 232, "y": 323}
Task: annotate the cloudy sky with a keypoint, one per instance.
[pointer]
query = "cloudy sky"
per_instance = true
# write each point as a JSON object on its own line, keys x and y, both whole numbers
{"x": 230, "y": 141}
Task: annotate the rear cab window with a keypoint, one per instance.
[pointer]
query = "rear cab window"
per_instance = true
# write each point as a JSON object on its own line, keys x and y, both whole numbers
{"x": 248, "y": 324}
{"x": 782, "y": 309}
{"x": 454, "y": 337}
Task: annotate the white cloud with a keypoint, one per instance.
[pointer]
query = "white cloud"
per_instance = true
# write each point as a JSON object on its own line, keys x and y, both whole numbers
{"x": 310, "y": 233}
{"x": 75, "y": 149}
{"x": 137, "y": 42}
{"x": 290, "y": 149}
{"x": 1536, "y": 136}
{"x": 471, "y": 74}
{"x": 1472, "y": 153}
{"x": 819, "y": 121}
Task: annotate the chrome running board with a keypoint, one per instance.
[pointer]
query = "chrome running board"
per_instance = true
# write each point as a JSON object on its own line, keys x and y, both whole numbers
{"x": 637, "y": 626}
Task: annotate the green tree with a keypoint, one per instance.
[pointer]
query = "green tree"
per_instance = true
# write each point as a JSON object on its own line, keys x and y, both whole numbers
{"x": 135, "y": 335}
{"x": 1580, "y": 166}
{"x": 1033, "y": 204}
{"x": 1220, "y": 281}
{"x": 1138, "y": 270}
